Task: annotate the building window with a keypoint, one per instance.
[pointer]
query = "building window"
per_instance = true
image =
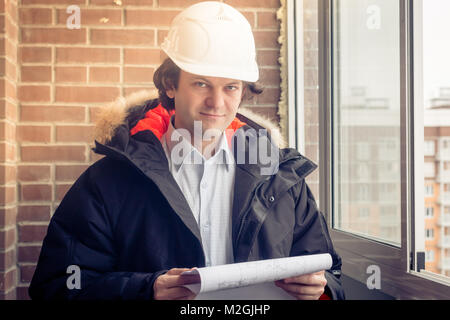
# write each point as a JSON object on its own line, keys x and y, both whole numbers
{"x": 429, "y": 190}
{"x": 429, "y": 212}
{"x": 429, "y": 255}
{"x": 428, "y": 148}
{"x": 429, "y": 234}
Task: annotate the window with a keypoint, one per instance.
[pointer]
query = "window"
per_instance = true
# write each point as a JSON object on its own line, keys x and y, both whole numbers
{"x": 371, "y": 113}
{"x": 428, "y": 148}
{"x": 429, "y": 212}
{"x": 429, "y": 170}
{"x": 429, "y": 191}
{"x": 365, "y": 50}
{"x": 429, "y": 234}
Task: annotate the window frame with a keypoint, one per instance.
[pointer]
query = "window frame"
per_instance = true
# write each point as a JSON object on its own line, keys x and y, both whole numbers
{"x": 400, "y": 276}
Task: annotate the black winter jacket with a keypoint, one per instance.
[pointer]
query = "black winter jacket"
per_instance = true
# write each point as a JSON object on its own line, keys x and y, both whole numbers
{"x": 125, "y": 221}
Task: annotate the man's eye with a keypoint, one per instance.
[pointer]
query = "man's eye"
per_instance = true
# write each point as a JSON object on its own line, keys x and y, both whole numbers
{"x": 232, "y": 88}
{"x": 200, "y": 84}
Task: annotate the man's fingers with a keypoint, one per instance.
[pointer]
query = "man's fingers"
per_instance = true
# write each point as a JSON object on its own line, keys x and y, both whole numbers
{"x": 175, "y": 271}
{"x": 312, "y": 279}
{"x": 174, "y": 293}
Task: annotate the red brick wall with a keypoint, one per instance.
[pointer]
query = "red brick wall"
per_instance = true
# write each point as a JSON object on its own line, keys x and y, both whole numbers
{"x": 8, "y": 148}
{"x": 54, "y": 78}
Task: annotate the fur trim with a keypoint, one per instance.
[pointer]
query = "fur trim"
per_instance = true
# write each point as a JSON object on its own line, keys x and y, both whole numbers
{"x": 113, "y": 115}
{"x": 265, "y": 122}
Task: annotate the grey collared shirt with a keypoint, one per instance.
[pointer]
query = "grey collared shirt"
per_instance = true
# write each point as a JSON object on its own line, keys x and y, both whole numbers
{"x": 208, "y": 186}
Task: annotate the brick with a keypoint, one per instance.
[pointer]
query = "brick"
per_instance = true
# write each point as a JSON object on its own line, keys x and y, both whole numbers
{"x": 36, "y": 192}
{"x": 7, "y": 259}
{"x": 87, "y": 55}
{"x": 141, "y": 56}
{"x": 26, "y": 272}
{"x": 132, "y": 89}
{"x": 268, "y": 20}
{"x": 150, "y": 17}
{"x": 123, "y": 37}
{"x": 27, "y": 173}
{"x": 269, "y": 96}
{"x": 32, "y": 233}
{"x": 70, "y": 74}
{"x": 69, "y": 172}
{"x": 29, "y": 93}
{"x": 266, "y": 39}
{"x": 28, "y": 253}
{"x": 7, "y": 238}
{"x": 8, "y": 280}
{"x": 10, "y": 89}
{"x": 89, "y": 16}
{"x": 35, "y": 54}
{"x": 270, "y": 77}
{"x": 11, "y": 70}
{"x": 93, "y": 157}
{"x": 8, "y": 217}
{"x": 86, "y": 94}
{"x": 310, "y": 40}
{"x": 253, "y": 3}
{"x": 53, "y": 2}
{"x": 11, "y": 29}
{"x": 122, "y": 2}
{"x": 104, "y": 74}
{"x": 138, "y": 75}
{"x": 36, "y": 74}
{"x": 52, "y": 113}
{"x": 35, "y": 16}
{"x": 7, "y": 152}
{"x": 33, "y": 213}
{"x": 61, "y": 190}
{"x": 311, "y": 78}
{"x": 311, "y": 58}
{"x": 176, "y": 3}
{"x": 11, "y": 48}
{"x": 7, "y": 195}
{"x": 22, "y": 293}
{"x": 11, "y": 10}
{"x": 74, "y": 133}
{"x": 8, "y": 110}
{"x": 29, "y": 133}
{"x": 161, "y": 34}
{"x": 54, "y": 35}
{"x": 7, "y": 131}
{"x": 7, "y": 174}
{"x": 53, "y": 153}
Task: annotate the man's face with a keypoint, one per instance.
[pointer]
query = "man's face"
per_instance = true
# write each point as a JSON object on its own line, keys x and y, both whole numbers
{"x": 211, "y": 100}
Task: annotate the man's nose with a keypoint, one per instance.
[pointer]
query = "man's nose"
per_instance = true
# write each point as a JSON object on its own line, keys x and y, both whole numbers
{"x": 215, "y": 99}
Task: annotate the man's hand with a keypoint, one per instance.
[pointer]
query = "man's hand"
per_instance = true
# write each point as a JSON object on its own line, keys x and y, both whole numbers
{"x": 306, "y": 287}
{"x": 169, "y": 286}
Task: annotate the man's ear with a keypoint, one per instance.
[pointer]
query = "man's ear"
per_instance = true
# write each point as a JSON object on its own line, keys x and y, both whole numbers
{"x": 170, "y": 93}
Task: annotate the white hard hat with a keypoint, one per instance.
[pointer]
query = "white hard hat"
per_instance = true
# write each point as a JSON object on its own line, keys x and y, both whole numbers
{"x": 213, "y": 39}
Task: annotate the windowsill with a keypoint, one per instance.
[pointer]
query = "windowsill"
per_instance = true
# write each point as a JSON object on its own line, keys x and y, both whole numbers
{"x": 424, "y": 274}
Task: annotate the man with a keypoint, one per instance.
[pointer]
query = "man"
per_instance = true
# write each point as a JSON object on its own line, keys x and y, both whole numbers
{"x": 180, "y": 185}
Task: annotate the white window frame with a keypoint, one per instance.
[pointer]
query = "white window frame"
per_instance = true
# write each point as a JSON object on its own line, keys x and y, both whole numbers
{"x": 402, "y": 277}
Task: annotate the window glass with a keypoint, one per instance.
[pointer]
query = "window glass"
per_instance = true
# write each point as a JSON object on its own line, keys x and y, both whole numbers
{"x": 366, "y": 118}
{"x": 436, "y": 153}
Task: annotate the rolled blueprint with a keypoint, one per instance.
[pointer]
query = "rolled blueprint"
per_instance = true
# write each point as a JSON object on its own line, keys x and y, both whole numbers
{"x": 255, "y": 272}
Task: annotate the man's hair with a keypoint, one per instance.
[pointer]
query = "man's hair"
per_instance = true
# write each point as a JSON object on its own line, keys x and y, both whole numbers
{"x": 166, "y": 77}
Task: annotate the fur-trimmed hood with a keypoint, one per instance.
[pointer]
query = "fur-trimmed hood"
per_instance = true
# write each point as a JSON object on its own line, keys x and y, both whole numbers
{"x": 111, "y": 116}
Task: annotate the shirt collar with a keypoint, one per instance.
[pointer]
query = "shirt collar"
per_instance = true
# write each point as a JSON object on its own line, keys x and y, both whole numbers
{"x": 186, "y": 153}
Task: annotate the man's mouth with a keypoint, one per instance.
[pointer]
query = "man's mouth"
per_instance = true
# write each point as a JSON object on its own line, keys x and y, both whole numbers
{"x": 211, "y": 115}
